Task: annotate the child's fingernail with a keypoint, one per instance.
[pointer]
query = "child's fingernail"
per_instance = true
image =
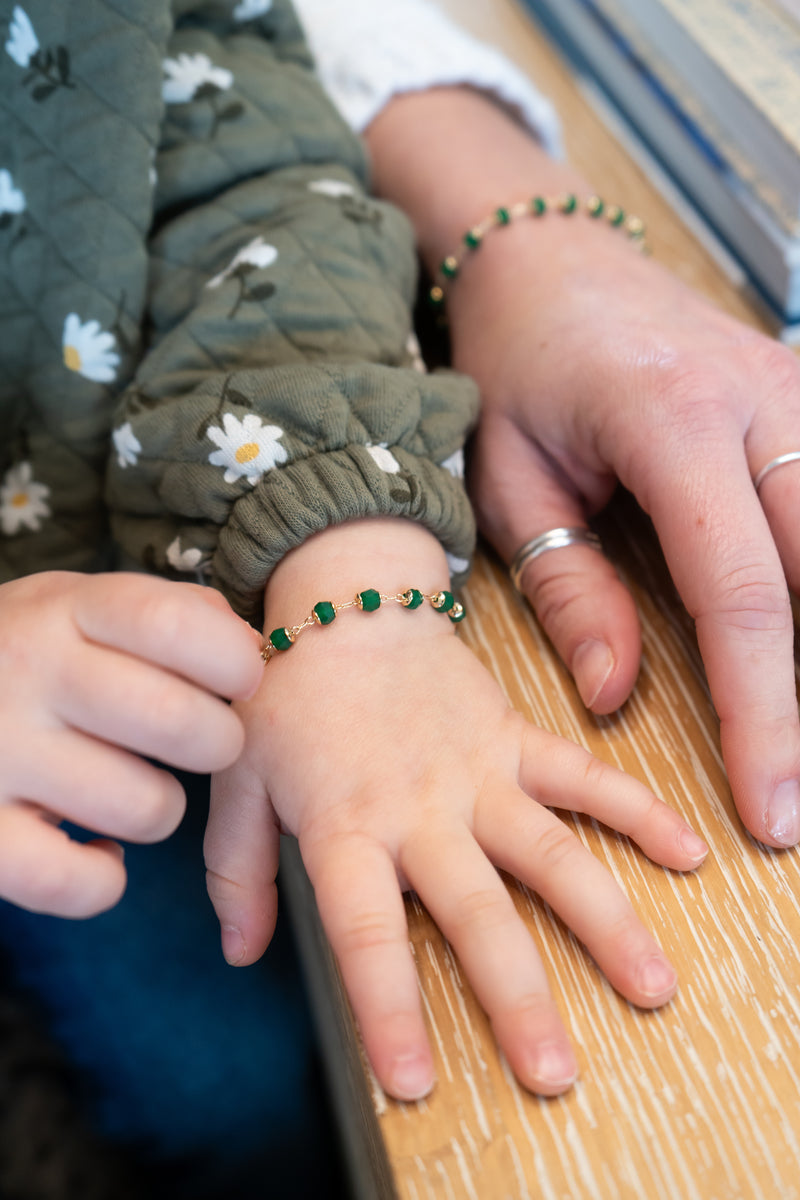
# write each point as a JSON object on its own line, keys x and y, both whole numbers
{"x": 783, "y": 813}
{"x": 692, "y": 846}
{"x": 592, "y": 663}
{"x": 411, "y": 1077}
{"x": 554, "y": 1064}
{"x": 233, "y": 947}
{"x": 657, "y": 977}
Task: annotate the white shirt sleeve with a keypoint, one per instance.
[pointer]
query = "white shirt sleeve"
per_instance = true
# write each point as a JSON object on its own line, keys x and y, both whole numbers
{"x": 369, "y": 50}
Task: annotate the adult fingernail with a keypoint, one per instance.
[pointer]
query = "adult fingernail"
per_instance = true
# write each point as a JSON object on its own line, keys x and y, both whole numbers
{"x": 233, "y": 947}
{"x": 657, "y": 977}
{"x": 692, "y": 846}
{"x": 554, "y": 1065}
{"x": 783, "y": 813}
{"x": 411, "y": 1077}
{"x": 592, "y": 663}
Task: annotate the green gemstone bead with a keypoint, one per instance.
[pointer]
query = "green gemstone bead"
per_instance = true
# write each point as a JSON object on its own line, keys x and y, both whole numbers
{"x": 457, "y": 613}
{"x": 324, "y": 612}
{"x": 369, "y": 600}
{"x": 473, "y": 239}
{"x": 502, "y": 216}
{"x": 412, "y": 598}
{"x": 281, "y": 639}
{"x": 449, "y": 267}
{"x": 569, "y": 203}
{"x": 595, "y": 207}
{"x": 616, "y": 216}
{"x": 538, "y": 206}
{"x": 436, "y": 297}
{"x": 442, "y": 601}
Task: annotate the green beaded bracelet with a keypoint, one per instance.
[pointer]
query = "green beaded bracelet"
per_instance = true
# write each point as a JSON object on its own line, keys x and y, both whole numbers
{"x": 537, "y": 206}
{"x": 369, "y": 600}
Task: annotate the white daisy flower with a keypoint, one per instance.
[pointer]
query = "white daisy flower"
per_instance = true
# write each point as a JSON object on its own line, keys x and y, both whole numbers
{"x": 12, "y": 199}
{"x": 248, "y": 10}
{"x": 414, "y": 352}
{"x": 127, "y": 445}
{"x": 246, "y": 448}
{"x": 257, "y": 253}
{"x": 22, "y": 43}
{"x": 454, "y": 464}
{"x": 383, "y": 457}
{"x": 331, "y": 187}
{"x": 457, "y": 565}
{"x": 22, "y": 500}
{"x": 183, "y": 560}
{"x": 188, "y": 73}
{"x": 89, "y": 350}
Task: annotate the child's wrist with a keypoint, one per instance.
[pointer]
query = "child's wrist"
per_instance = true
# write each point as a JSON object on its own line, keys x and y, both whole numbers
{"x": 386, "y": 554}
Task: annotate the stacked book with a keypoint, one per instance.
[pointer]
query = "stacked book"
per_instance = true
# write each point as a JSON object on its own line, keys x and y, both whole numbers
{"x": 712, "y": 87}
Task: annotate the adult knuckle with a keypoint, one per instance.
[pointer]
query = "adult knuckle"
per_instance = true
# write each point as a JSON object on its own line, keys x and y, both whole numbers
{"x": 750, "y": 601}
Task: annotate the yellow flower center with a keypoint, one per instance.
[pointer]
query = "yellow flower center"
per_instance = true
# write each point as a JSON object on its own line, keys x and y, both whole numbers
{"x": 72, "y": 359}
{"x": 247, "y": 452}
{"x": 20, "y": 500}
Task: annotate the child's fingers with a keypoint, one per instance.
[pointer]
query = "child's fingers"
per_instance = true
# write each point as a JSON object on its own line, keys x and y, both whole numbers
{"x": 527, "y": 840}
{"x": 241, "y": 847}
{"x": 562, "y": 775}
{"x": 176, "y": 626}
{"x": 95, "y": 785}
{"x": 42, "y": 869}
{"x": 362, "y": 909}
{"x": 472, "y": 907}
{"x": 135, "y": 704}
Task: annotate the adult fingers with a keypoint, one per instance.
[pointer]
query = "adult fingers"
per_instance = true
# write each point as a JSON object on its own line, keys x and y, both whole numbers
{"x": 586, "y": 611}
{"x": 241, "y": 847}
{"x": 42, "y": 869}
{"x": 176, "y": 625}
{"x": 97, "y": 786}
{"x": 721, "y": 554}
{"x": 559, "y": 774}
{"x": 472, "y": 907}
{"x": 533, "y": 844}
{"x": 134, "y": 704}
{"x": 362, "y": 909}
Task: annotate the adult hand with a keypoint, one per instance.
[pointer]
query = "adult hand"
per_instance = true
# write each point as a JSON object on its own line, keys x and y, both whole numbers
{"x": 388, "y": 750}
{"x": 596, "y": 364}
{"x": 98, "y": 670}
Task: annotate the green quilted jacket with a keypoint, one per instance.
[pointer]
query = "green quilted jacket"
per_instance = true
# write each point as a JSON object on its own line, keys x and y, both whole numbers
{"x": 206, "y": 352}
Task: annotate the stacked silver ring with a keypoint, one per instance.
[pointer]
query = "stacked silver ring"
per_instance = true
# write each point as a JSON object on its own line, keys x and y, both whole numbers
{"x": 551, "y": 539}
{"x": 791, "y": 456}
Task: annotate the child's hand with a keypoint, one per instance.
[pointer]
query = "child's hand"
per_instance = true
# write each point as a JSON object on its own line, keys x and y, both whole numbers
{"x": 384, "y": 745}
{"x": 97, "y": 670}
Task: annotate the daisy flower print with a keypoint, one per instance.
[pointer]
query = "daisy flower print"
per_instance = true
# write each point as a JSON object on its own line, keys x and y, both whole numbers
{"x": 247, "y": 448}
{"x": 188, "y": 73}
{"x": 89, "y": 350}
{"x": 23, "y": 501}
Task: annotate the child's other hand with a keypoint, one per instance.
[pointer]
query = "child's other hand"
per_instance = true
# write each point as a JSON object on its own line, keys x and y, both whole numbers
{"x": 97, "y": 670}
{"x": 384, "y": 745}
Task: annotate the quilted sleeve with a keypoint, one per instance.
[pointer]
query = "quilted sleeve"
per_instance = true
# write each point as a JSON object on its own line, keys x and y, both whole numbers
{"x": 283, "y": 390}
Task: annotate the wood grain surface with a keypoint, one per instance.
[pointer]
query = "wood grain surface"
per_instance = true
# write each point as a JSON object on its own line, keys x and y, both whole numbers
{"x": 700, "y": 1100}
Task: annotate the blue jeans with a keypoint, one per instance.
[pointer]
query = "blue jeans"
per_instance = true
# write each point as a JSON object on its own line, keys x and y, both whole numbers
{"x": 188, "y": 1060}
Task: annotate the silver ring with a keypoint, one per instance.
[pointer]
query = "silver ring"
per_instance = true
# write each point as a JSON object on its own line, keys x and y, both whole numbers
{"x": 792, "y": 456}
{"x": 552, "y": 539}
